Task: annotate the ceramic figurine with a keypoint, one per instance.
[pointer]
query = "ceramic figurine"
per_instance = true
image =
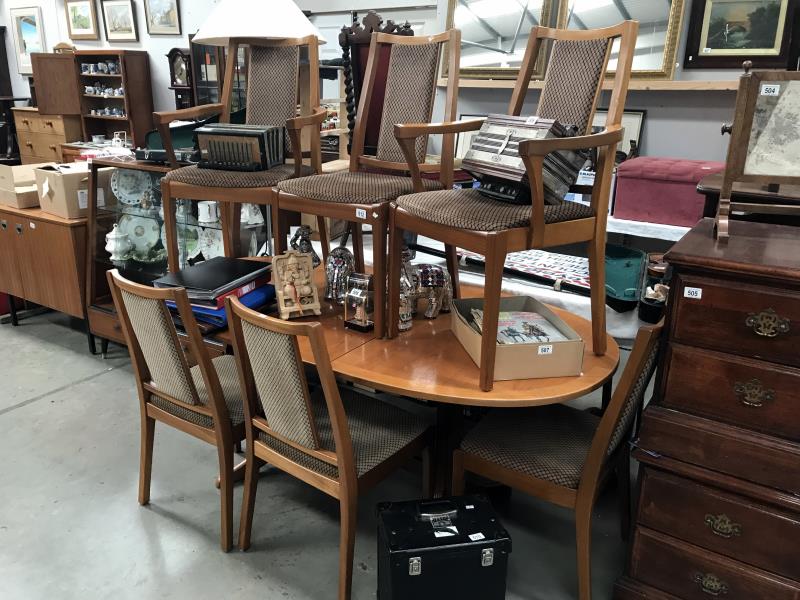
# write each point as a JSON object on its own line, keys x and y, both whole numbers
{"x": 301, "y": 241}
{"x": 338, "y": 267}
{"x": 407, "y": 297}
{"x": 294, "y": 284}
{"x": 118, "y": 245}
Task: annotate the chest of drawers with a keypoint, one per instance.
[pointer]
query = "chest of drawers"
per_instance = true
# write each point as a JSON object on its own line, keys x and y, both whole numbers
{"x": 719, "y": 446}
{"x": 40, "y": 136}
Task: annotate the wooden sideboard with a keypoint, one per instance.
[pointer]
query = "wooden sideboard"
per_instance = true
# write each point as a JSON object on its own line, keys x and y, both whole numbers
{"x": 40, "y": 136}
{"x": 719, "y": 446}
{"x": 43, "y": 259}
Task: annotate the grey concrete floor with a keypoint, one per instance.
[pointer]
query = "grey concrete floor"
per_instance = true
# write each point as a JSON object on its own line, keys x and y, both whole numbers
{"x": 71, "y": 528}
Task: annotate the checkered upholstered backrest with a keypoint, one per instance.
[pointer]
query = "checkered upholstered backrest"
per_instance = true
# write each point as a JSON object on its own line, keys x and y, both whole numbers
{"x": 155, "y": 333}
{"x": 280, "y": 385}
{"x": 633, "y": 400}
{"x": 272, "y": 85}
{"x": 574, "y": 76}
{"x": 410, "y": 89}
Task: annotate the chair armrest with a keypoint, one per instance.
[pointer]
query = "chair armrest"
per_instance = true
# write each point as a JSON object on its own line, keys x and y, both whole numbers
{"x": 607, "y": 137}
{"x": 414, "y": 130}
{"x": 317, "y": 117}
{"x": 164, "y": 118}
{"x": 195, "y": 112}
{"x": 407, "y": 134}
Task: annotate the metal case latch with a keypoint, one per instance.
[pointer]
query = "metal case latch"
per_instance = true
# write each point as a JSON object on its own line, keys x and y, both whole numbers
{"x": 415, "y": 565}
{"x": 487, "y": 557}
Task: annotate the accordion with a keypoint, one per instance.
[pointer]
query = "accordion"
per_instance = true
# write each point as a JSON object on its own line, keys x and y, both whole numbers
{"x": 493, "y": 159}
{"x": 240, "y": 147}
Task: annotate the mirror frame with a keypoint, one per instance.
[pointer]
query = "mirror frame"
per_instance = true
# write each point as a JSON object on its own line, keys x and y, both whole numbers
{"x": 560, "y": 9}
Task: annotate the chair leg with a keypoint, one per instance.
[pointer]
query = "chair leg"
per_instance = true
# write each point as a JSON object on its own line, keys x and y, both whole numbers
{"x": 458, "y": 472}
{"x": 323, "y": 238}
{"x": 379, "y": 271}
{"x": 252, "y": 466}
{"x": 278, "y": 234}
{"x": 358, "y": 246}
{"x": 428, "y": 471}
{"x": 583, "y": 539}
{"x": 623, "y": 472}
{"x": 347, "y": 542}
{"x": 597, "y": 278}
{"x": 452, "y": 266}
{"x": 393, "y": 287}
{"x": 225, "y": 456}
{"x": 146, "y": 458}
{"x": 495, "y": 257}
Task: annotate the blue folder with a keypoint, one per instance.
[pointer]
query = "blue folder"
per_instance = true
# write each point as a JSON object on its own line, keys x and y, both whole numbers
{"x": 217, "y": 317}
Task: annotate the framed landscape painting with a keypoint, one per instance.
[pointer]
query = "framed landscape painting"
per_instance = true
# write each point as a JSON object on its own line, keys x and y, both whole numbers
{"x": 119, "y": 18}
{"x": 163, "y": 17}
{"x": 82, "y": 20}
{"x": 28, "y": 34}
{"x": 725, "y": 33}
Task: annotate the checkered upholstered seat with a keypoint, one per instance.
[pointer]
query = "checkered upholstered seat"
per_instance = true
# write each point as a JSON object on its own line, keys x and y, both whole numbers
{"x": 378, "y": 430}
{"x": 549, "y": 443}
{"x": 356, "y": 188}
{"x": 193, "y": 175}
{"x": 228, "y": 381}
{"x": 469, "y": 209}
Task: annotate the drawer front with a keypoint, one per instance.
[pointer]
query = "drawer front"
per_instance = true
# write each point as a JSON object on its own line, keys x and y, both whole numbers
{"x": 747, "y": 320}
{"x": 49, "y": 125}
{"x": 105, "y": 325}
{"x": 44, "y": 146}
{"x": 24, "y": 121}
{"x": 692, "y": 573}
{"x": 752, "y": 456}
{"x": 752, "y": 394}
{"x": 727, "y": 524}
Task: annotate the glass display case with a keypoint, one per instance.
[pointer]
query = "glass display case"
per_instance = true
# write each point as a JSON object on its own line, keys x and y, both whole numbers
{"x": 208, "y": 73}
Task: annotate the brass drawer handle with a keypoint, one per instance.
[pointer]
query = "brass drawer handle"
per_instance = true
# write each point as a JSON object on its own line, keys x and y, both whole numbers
{"x": 767, "y": 323}
{"x": 753, "y": 393}
{"x": 723, "y": 526}
{"x": 711, "y": 584}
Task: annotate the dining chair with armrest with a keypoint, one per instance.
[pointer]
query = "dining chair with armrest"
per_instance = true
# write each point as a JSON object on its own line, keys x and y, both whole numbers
{"x": 467, "y": 219}
{"x": 563, "y": 455}
{"x": 338, "y": 440}
{"x": 203, "y": 400}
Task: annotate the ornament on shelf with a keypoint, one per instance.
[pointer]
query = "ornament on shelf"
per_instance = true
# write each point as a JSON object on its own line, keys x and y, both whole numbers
{"x": 338, "y": 267}
{"x": 301, "y": 241}
{"x": 428, "y": 281}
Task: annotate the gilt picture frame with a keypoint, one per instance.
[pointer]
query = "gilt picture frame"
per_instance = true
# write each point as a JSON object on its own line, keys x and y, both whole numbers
{"x": 27, "y": 32}
{"x": 82, "y": 20}
{"x": 119, "y": 20}
{"x": 724, "y": 33}
{"x": 163, "y": 17}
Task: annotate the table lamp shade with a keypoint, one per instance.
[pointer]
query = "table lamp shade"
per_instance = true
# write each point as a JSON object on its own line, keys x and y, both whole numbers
{"x": 261, "y": 19}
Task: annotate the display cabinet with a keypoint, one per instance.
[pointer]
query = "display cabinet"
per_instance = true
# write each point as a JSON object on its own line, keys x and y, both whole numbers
{"x": 128, "y": 230}
{"x": 208, "y": 69}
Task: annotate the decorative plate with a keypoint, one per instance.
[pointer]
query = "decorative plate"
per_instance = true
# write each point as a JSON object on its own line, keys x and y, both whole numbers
{"x": 191, "y": 234}
{"x": 144, "y": 233}
{"x": 130, "y": 186}
{"x": 211, "y": 243}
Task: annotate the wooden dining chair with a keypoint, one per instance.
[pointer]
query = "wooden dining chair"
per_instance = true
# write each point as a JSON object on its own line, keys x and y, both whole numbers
{"x": 276, "y": 83}
{"x": 467, "y": 219}
{"x": 203, "y": 400}
{"x": 562, "y": 454}
{"x": 362, "y": 194}
{"x": 337, "y": 440}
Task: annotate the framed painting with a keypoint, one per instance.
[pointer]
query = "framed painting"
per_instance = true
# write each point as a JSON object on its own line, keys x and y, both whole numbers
{"x": 724, "y": 33}
{"x": 82, "y": 20}
{"x": 119, "y": 19}
{"x": 632, "y": 123}
{"x": 28, "y": 34}
{"x": 163, "y": 17}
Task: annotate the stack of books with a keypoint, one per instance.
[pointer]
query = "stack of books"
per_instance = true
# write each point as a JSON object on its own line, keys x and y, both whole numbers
{"x": 520, "y": 327}
{"x": 208, "y": 284}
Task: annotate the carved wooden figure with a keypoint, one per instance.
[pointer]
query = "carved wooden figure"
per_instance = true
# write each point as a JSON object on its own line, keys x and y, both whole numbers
{"x": 292, "y": 275}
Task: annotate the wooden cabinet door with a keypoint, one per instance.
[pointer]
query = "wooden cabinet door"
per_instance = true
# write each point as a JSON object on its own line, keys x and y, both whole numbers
{"x": 10, "y": 280}
{"x": 52, "y": 265}
{"x": 58, "y": 89}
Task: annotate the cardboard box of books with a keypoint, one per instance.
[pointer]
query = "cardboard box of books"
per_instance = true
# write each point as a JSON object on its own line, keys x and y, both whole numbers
{"x": 532, "y": 342}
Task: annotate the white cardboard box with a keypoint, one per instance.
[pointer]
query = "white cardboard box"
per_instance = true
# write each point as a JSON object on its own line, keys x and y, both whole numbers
{"x": 18, "y": 185}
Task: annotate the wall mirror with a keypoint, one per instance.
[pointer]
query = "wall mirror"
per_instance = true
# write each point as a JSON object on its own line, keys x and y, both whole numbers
{"x": 494, "y": 32}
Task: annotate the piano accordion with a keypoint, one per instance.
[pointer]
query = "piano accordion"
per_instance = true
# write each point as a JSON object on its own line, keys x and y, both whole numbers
{"x": 493, "y": 159}
{"x": 240, "y": 147}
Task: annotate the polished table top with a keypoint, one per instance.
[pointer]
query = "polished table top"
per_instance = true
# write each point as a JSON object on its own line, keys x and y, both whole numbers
{"x": 428, "y": 362}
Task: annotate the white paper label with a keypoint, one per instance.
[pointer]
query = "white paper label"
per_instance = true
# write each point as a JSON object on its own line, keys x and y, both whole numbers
{"x": 442, "y": 533}
{"x": 544, "y": 350}
{"x": 470, "y": 507}
{"x": 770, "y": 89}
{"x": 83, "y": 199}
{"x": 476, "y": 536}
{"x": 101, "y": 197}
{"x": 46, "y": 188}
{"x": 32, "y": 225}
{"x": 361, "y": 213}
{"x": 693, "y": 293}
{"x": 89, "y": 161}
{"x": 706, "y": 50}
